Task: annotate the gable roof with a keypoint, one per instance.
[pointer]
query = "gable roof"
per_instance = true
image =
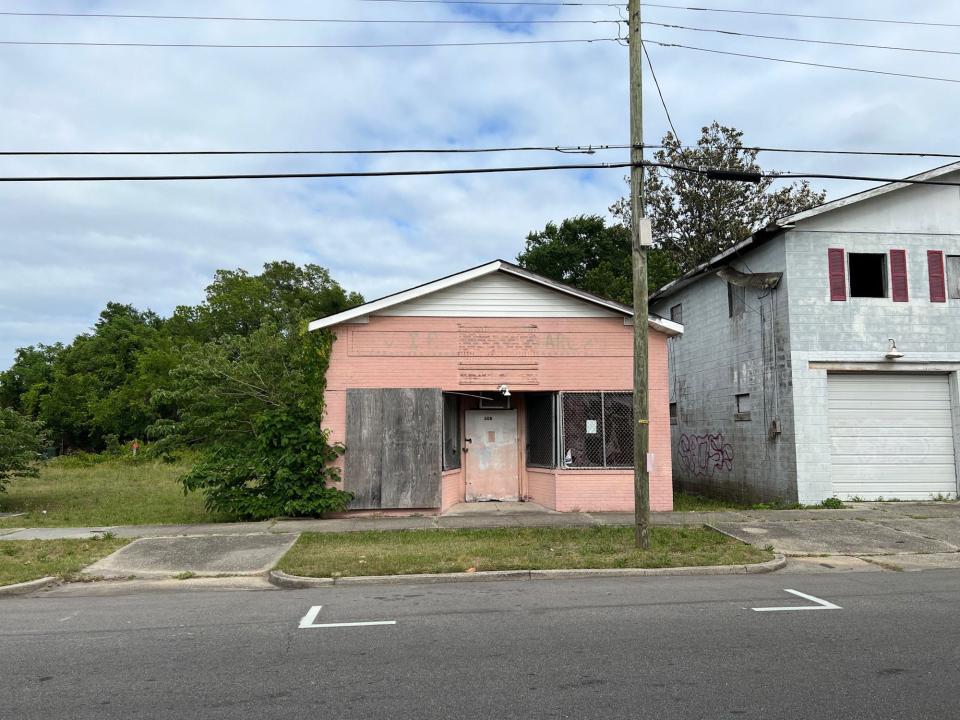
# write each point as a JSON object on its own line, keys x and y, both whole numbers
{"x": 786, "y": 223}
{"x": 374, "y": 306}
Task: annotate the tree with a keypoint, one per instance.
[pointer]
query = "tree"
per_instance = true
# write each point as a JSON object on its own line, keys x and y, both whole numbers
{"x": 21, "y": 442}
{"x": 585, "y": 252}
{"x": 254, "y": 405}
{"x": 695, "y": 218}
{"x": 237, "y": 303}
{"x": 28, "y": 379}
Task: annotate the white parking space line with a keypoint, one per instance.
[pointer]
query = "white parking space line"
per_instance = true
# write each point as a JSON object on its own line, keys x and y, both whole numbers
{"x": 310, "y": 621}
{"x": 820, "y": 604}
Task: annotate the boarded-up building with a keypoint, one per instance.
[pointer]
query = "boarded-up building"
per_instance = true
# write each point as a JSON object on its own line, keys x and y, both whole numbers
{"x": 493, "y": 384}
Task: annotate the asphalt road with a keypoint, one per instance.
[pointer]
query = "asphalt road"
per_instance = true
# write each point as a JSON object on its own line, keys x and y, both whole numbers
{"x": 681, "y": 647}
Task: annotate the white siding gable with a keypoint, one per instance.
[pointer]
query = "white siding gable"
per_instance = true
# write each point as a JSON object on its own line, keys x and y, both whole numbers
{"x": 497, "y": 295}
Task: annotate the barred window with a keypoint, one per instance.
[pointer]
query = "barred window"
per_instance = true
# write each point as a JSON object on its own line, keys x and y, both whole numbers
{"x": 597, "y": 429}
{"x": 541, "y": 426}
{"x": 451, "y": 432}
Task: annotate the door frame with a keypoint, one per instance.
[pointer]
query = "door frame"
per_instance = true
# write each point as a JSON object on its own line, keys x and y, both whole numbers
{"x": 517, "y": 496}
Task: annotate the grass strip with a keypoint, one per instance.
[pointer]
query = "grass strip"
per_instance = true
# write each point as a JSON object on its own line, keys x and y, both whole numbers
{"x": 443, "y": 551}
{"x": 24, "y": 560}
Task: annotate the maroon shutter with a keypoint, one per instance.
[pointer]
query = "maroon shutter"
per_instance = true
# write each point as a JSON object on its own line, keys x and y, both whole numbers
{"x": 838, "y": 275}
{"x": 938, "y": 284}
{"x": 898, "y": 276}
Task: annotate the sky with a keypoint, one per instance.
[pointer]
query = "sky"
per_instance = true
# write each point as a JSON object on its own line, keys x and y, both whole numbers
{"x": 68, "y": 249}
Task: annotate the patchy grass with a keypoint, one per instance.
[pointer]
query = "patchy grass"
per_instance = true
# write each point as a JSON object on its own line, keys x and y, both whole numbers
{"x": 24, "y": 560}
{"x": 442, "y": 551}
{"x": 117, "y": 492}
{"x": 687, "y": 502}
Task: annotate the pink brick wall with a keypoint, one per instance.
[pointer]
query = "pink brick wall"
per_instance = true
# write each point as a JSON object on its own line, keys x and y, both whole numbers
{"x": 529, "y": 354}
{"x": 451, "y": 489}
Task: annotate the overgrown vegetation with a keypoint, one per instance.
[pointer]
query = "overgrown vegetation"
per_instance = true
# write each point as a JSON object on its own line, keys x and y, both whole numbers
{"x": 693, "y": 219}
{"x": 237, "y": 379}
{"x": 88, "y": 491}
{"x": 691, "y": 502}
{"x": 442, "y": 551}
{"x": 25, "y": 560}
{"x": 21, "y": 440}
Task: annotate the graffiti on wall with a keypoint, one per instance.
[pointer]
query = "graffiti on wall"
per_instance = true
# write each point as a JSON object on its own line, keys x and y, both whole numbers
{"x": 702, "y": 455}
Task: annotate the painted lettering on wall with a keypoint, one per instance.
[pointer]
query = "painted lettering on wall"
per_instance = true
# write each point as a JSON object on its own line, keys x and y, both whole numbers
{"x": 703, "y": 455}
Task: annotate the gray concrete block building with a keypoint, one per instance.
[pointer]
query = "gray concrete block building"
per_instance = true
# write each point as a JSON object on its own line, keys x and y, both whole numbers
{"x": 821, "y": 355}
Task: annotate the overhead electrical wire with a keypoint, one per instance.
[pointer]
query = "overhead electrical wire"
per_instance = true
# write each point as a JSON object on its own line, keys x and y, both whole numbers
{"x": 656, "y": 82}
{"x": 566, "y": 149}
{"x": 804, "y": 62}
{"x": 272, "y": 176}
{"x": 308, "y": 46}
{"x": 709, "y": 173}
{"x": 497, "y": 2}
{"x": 801, "y": 40}
{"x": 348, "y": 21}
{"x": 887, "y": 21}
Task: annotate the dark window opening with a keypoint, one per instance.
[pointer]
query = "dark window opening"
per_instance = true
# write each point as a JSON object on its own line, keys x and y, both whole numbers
{"x": 744, "y": 406}
{"x": 597, "y": 429}
{"x": 451, "y": 432}
{"x": 676, "y": 313}
{"x": 868, "y": 274}
{"x": 673, "y": 414}
{"x": 736, "y": 299}
{"x": 541, "y": 425}
{"x": 953, "y": 276}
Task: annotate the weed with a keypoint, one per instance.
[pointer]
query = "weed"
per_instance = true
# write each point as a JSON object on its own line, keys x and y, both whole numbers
{"x": 186, "y": 575}
{"x": 833, "y": 503}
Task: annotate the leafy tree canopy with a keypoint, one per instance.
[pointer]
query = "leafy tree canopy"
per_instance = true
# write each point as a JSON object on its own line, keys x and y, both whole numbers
{"x": 21, "y": 441}
{"x": 587, "y": 253}
{"x": 695, "y": 218}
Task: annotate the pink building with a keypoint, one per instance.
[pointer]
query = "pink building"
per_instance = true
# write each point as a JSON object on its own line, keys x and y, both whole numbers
{"x": 493, "y": 384}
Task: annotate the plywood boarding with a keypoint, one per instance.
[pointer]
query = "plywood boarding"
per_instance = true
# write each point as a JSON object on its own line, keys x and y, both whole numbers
{"x": 393, "y": 447}
{"x": 891, "y": 436}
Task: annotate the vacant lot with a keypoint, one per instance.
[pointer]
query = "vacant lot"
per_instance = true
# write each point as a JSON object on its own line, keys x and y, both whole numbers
{"x": 23, "y": 560}
{"x": 116, "y": 492}
{"x": 439, "y": 551}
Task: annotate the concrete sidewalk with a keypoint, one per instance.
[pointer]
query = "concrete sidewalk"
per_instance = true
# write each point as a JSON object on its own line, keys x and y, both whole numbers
{"x": 864, "y": 537}
{"x": 495, "y": 515}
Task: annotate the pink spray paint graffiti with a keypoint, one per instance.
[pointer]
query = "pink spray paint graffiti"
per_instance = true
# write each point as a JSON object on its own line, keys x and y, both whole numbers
{"x": 702, "y": 455}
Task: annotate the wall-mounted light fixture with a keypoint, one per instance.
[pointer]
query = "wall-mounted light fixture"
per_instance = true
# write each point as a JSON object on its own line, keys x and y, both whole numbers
{"x": 892, "y": 352}
{"x": 504, "y": 390}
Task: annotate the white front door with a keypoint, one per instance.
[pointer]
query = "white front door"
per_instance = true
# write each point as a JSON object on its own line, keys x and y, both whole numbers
{"x": 492, "y": 462}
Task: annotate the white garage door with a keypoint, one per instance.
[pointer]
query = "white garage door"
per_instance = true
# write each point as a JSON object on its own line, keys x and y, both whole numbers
{"x": 891, "y": 436}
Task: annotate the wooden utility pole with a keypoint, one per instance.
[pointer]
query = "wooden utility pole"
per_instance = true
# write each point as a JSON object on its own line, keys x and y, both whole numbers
{"x": 640, "y": 234}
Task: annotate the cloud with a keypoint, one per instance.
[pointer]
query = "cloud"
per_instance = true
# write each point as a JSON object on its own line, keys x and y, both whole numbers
{"x": 67, "y": 249}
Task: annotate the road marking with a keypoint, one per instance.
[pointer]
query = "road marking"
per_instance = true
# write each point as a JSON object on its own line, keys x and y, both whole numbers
{"x": 310, "y": 621}
{"x": 820, "y": 604}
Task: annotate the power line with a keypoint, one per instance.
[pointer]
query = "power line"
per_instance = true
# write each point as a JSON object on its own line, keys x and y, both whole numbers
{"x": 888, "y": 21}
{"x": 566, "y": 149}
{"x": 273, "y": 176}
{"x": 304, "y": 47}
{"x": 802, "y": 40}
{"x": 880, "y": 153}
{"x": 803, "y": 62}
{"x": 235, "y": 18}
{"x": 710, "y": 173}
{"x": 659, "y": 91}
{"x": 497, "y": 2}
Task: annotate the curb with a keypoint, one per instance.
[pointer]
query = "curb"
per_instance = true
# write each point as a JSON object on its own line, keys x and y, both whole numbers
{"x": 283, "y": 580}
{"x": 28, "y": 587}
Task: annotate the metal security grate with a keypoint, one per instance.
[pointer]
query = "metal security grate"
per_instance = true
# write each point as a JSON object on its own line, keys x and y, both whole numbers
{"x": 541, "y": 430}
{"x": 597, "y": 430}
